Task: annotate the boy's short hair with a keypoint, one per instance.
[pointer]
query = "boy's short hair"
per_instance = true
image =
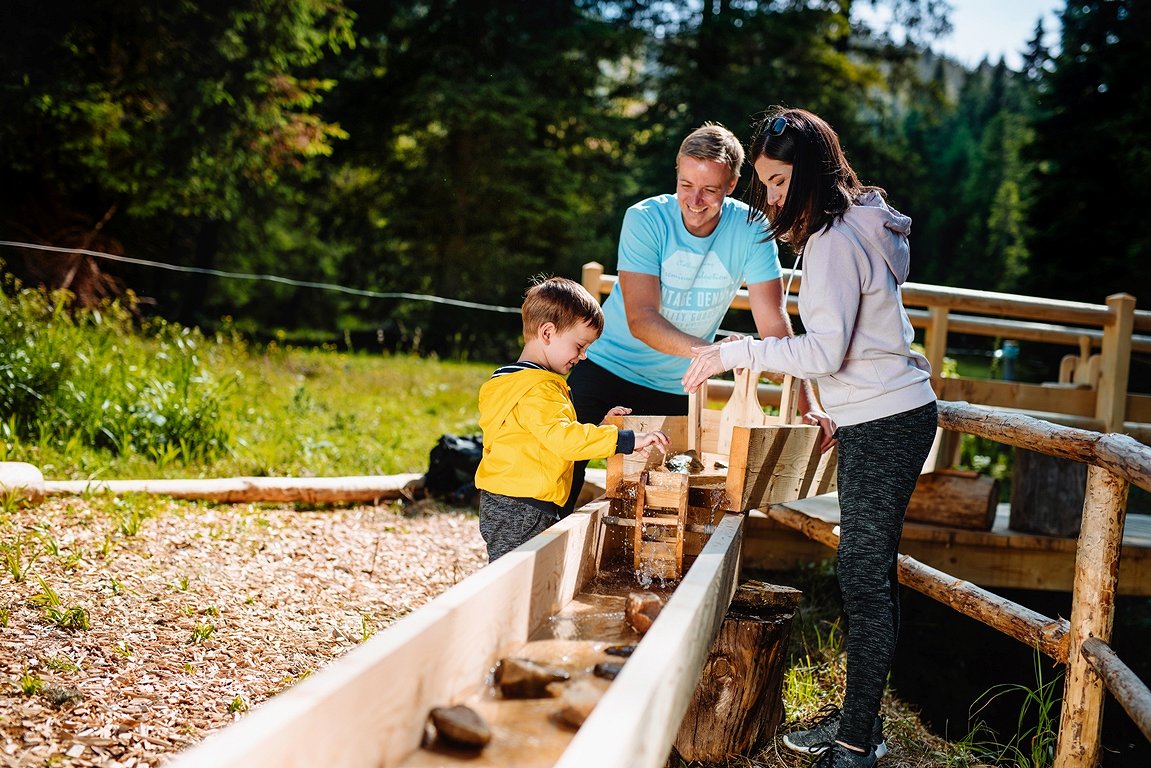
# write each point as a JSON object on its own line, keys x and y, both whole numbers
{"x": 561, "y": 301}
{"x": 712, "y": 141}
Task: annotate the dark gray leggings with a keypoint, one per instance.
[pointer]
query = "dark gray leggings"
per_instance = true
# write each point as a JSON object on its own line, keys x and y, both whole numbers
{"x": 879, "y": 462}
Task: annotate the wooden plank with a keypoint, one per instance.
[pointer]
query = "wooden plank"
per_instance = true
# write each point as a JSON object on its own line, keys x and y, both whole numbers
{"x": 621, "y": 467}
{"x": 774, "y": 464}
{"x": 741, "y": 409}
{"x": 999, "y": 558}
{"x": 368, "y": 708}
{"x": 1115, "y": 364}
{"x": 1020, "y": 396}
{"x": 636, "y": 721}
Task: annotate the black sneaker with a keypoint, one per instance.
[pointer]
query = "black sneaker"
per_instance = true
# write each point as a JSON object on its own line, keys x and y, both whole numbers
{"x": 817, "y": 737}
{"x": 839, "y": 756}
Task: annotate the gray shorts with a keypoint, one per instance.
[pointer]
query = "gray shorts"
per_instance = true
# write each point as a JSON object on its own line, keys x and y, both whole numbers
{"x": 507, "y": 522}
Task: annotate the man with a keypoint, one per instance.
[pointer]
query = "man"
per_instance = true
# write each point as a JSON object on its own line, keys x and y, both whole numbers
{"x": 682, "y": 258}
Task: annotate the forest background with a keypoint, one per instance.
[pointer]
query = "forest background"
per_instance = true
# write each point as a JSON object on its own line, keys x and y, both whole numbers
{"x": 308, "y": 169}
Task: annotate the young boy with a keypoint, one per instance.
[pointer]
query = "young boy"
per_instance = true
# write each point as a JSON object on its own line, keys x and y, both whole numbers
{"x": 531, "y": 436}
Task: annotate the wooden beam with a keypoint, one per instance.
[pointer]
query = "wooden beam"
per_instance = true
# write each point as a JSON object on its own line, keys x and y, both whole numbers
{"x": 1020, "y": 396}
{"x": 1115, "y": 364}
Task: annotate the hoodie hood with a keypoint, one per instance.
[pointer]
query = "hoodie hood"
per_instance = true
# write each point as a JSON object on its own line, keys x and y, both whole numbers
{"x": 883, "y": 230}
{"x": 500, "y": 394}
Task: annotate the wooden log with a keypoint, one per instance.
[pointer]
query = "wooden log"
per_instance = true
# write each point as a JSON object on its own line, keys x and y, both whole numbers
{"x": 1092, "y": 615}
{"x": 1025, "y": 625}
{"x": 1131, "y": 692}
{"x": 956, "y": 498}
{"x": 1046, "y": 494}
{"x": 1121, "y": 454}
{"x": 307, "y": 490}
{"x": 738, "y": 703}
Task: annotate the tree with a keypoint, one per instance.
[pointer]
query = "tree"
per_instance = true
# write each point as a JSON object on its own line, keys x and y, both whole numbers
{"x": 163, "y": 122}
{"x": 1091, "y": 232}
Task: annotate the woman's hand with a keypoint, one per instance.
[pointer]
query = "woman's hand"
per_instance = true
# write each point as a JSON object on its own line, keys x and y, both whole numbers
{"x": 705, "y": 363}
{"x": 826, "y": 428}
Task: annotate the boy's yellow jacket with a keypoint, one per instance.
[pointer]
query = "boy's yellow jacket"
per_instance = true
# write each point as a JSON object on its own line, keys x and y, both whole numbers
{"x": 532, "y": 437}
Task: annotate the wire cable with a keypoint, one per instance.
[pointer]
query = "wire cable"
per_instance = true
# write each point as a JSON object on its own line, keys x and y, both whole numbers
{"x": 270, "y": 278}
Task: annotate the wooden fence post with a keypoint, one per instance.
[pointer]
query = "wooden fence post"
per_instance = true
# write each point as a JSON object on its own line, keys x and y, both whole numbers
{"x": 591, "y": 277}
{"x": 1115, "y": 362}
{"x": 1092, "y": 615}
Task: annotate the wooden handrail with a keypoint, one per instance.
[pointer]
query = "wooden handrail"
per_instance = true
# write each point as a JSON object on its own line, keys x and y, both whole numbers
{"x": 1064, "y": 314}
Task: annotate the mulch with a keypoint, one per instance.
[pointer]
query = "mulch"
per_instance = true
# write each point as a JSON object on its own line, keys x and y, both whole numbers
{"x": 195, "y": 612}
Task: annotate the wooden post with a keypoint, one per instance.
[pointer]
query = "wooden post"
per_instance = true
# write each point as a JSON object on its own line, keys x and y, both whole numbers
{"x": 591, "y": 277}
{"x": 935, "y": 341}
{"x": 1092, "y": 615}
{"x": 738, "y": 703}
{"x": 1111, "y": 403}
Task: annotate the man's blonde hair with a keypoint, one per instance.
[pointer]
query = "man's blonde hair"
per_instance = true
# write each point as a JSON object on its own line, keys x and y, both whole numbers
{"x": 711, "y": 141}
{"x": 561, "y": 301}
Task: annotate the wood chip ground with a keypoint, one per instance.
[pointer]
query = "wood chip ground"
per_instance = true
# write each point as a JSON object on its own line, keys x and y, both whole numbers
{"x": 195, "y": 613}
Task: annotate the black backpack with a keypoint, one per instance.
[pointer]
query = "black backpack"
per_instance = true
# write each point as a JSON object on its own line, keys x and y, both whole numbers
{"x": 452, "y": 467}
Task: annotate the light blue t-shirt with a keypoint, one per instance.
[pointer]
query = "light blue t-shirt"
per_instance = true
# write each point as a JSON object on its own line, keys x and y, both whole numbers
{"x": 699, "y": 276}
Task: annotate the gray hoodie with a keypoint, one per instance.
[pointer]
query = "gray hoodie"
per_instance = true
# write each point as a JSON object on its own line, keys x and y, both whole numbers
{"x": 856, "y": 340}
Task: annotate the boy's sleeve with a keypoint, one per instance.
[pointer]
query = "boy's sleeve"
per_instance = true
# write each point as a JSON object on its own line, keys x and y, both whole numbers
{"x": 553, "y": 422}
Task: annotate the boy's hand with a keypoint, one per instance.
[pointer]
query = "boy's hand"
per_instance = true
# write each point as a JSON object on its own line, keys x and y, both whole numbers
{"x": 618, "y": 410}
{"x": 645, "y": 440}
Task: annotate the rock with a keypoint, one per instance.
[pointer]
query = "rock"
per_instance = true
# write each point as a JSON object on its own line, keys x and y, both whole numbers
{"x": 460, "y": 726}
{"x": 619, "y": 650}
{"x": 525, "y": 679}
{"x": 642, "y": 609}
{"x": 578, "y": 700}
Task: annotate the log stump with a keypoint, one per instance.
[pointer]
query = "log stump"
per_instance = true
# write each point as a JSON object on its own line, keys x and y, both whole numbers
{"x": 1046, "y": 494}
{"x": 738, "y": 703}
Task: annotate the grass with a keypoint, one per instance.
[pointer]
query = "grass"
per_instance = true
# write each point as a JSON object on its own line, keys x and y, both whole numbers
{"x": 159, "y": 401}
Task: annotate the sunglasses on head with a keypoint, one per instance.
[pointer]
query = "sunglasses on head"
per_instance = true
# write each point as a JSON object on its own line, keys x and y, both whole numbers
{"x": 775, "y": 126}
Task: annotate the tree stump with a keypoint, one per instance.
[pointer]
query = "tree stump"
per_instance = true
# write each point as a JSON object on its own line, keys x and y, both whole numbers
{"x": 738, "y": 703}
{"x": 1046, "y": 494}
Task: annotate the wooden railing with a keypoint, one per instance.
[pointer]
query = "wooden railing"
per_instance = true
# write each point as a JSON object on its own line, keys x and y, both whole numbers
{"x": 1114, "y": 462}
{"x": 1101, "y": 403}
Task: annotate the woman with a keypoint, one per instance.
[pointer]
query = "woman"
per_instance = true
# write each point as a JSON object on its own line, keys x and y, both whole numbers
{"x": 877, "y": 392}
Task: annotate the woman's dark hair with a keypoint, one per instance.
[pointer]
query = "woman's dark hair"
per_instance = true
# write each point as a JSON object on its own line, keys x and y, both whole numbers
{"x": 823, "y": 184}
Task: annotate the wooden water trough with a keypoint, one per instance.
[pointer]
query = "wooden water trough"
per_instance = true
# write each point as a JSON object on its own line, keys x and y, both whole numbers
{"x": 370, "y": 707}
